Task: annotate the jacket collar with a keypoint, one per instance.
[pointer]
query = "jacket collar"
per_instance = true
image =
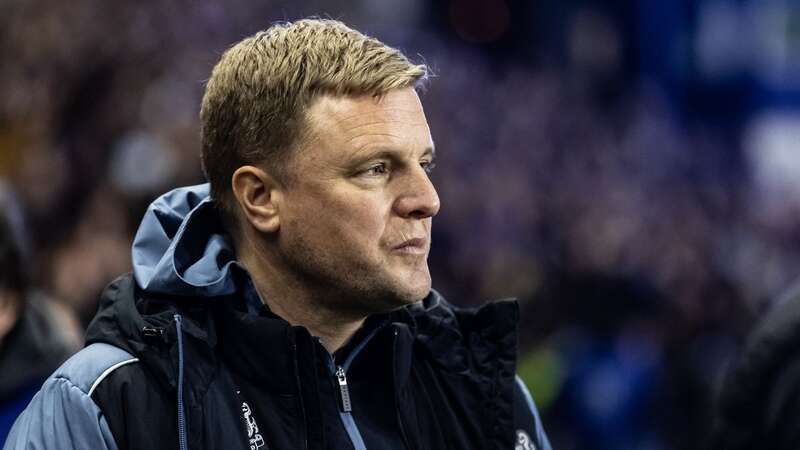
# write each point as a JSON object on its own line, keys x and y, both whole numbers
{"x": 262, "y": 347}
{"x": 456, "y": 339}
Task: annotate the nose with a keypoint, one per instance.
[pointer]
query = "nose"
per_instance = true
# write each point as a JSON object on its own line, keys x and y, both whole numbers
{"x": 418, "y": 198}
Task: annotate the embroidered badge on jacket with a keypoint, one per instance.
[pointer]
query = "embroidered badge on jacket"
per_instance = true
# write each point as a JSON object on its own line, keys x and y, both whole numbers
{"x": 256, "y": 440}
{"x": 524, "y": 441}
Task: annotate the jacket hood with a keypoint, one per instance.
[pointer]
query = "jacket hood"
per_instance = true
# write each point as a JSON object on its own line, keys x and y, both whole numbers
{"x": 181, "y": 247}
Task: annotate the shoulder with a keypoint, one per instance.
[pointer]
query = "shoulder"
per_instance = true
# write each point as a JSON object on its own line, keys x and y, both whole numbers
{"x": 90, "y": 366}
{"x": 530, "y": 433}
{"x": 760, "y": 393}
{"x": 62, "y": 414}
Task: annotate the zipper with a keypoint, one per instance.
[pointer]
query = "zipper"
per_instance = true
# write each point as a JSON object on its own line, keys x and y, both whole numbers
{"x": 339, "y": 373}
{"x": 182, "y": 441}
{"x": 345, "y": 407}
{"x": 344, "y": 392}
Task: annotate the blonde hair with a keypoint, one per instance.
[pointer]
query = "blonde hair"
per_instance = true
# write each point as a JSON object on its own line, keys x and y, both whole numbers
{"x": 254, "y": 105}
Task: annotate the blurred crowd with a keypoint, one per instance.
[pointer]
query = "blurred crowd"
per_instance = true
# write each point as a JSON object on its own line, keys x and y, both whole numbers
{"x": 638, "y": 234}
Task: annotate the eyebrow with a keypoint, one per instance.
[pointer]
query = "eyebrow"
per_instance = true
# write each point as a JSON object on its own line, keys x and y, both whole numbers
{"x": 389, "y": 153}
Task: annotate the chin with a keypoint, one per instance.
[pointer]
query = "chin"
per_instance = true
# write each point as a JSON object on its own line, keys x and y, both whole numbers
{"x": 397, "y": 296}
{"x": 415, "y": 292}
{"x": 420, "y": 293}
{"x": 394, "y": 291}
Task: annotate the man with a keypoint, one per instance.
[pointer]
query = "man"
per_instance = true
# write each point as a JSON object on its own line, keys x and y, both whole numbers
{"x": 288, "y": 303}
{"x": 36, "y": 334}
{"x": 758, "y": 405}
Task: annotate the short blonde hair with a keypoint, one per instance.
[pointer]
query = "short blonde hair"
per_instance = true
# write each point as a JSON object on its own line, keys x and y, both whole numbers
{"x": 254, "y": 105}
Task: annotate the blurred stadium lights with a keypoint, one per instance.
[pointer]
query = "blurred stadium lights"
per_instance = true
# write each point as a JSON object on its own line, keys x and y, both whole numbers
{"x": 719, "y": 51}
{"x": 772, "y": 145}
{"x": 775, "y": 45}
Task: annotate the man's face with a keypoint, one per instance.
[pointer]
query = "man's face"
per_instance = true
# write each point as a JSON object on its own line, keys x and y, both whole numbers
{"x": 356, "y": 221}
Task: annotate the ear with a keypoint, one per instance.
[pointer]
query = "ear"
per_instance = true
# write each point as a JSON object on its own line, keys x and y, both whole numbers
{"x": 258, "y": 195}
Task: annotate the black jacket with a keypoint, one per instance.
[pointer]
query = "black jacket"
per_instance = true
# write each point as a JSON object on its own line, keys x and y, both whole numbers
{"x": 758, "y": 407}
{"x": 428, "y": 378}
{"x": 187, "y": 356}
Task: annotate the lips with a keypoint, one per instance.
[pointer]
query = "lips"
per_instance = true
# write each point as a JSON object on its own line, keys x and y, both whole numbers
{"x": 412, "y": 246}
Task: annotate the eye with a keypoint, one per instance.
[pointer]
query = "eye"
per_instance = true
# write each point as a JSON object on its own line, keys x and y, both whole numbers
{"x": 428, "y": 166}
{"x": 376, "y": 170}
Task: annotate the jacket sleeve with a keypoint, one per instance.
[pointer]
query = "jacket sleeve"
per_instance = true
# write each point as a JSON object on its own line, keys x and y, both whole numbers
{"x": 61, "y": 416}
{"x": 529, "y": 429}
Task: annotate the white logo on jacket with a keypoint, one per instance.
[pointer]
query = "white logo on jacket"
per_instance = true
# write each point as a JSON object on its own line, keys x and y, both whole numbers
{"x": 524, "y": 442}
{"x": 256, "y": 440}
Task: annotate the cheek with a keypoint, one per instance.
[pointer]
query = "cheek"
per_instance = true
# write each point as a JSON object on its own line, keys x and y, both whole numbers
{"x": 364, "y": 220}
{"x": 356, "y": 221}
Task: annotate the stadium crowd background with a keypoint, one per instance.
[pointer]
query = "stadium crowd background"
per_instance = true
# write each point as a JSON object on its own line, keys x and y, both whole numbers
{"x": 629, "y": 169}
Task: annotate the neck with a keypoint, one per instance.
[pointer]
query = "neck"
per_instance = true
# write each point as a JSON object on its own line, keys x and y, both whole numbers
{"x": 294, "y": 301}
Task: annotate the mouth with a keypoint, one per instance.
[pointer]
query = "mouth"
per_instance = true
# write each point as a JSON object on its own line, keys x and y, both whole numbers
{"x": 415, "y": 246}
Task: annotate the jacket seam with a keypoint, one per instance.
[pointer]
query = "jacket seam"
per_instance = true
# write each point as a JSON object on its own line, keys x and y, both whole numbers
{"x": 71, "y": 384}
{"x": 108, "y": 372}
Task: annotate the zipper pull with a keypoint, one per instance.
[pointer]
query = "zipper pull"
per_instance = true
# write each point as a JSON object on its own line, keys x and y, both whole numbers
{"x": 344, "y": 393}
{"x": 153, "y": 334}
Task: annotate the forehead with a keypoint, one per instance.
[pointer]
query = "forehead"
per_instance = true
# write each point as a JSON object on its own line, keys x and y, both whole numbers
{"x": 355, "y": 123}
